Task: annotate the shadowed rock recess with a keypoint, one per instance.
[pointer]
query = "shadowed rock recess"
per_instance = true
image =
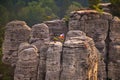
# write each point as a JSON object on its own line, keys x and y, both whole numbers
{"x": 90, "y": 51}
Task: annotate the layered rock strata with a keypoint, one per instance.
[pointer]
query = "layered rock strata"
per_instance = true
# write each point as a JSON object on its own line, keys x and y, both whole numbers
{"x": 114, "y": 50}
{"x": 27, "y": 63}
{"x": 53, "y": 61}
{"x": 104, "y": 29}
{"x": 16, "y": 32}
{"x": 79, "y": 58}
{"x": 76, "y": 59}
{"x": 40, "y": 38}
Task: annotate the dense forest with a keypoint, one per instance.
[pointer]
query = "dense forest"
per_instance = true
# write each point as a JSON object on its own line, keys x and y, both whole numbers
{"x": 37, "y": 11}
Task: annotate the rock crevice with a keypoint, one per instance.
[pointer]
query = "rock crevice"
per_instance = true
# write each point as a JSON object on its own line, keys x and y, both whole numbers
{"x": 107, "y": 43}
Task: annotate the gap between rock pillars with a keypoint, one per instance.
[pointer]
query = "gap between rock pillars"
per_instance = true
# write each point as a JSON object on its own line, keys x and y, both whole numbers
{"x": 61, "y": 60}
{"x": 107, "y": 47}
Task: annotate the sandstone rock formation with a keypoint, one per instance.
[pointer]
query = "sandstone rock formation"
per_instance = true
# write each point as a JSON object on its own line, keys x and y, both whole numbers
{"x": 104, "y": 29}
{"x": 53, "y": 61}
{"x": 40, "y": 38}
{"x": 40, "y": 59}
{"x": 114, "y": 50}
{"x": 94, "y": 24}
{"x": 16, "y": 33}
{"x": 79, "y": 58}
{"x": 76, "y": 59}
{"x": 27, "y": 64}
{"x": 39, "y": 35}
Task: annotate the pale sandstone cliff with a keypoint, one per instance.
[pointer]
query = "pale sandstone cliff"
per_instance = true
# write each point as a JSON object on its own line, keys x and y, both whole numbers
{"x": 76, "y": 59}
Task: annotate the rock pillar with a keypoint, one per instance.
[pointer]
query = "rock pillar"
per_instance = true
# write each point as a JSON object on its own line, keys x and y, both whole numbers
{"x": 16, "y": 32}
{"x": 79, "y": 58}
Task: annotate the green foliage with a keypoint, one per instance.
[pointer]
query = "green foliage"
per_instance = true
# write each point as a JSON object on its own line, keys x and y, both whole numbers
{"x": 115, "y": 7}
{"x": 37, "y": 12}
{"x": 3, "y": 15}
{"x": 93, "y": 3}
{"x": 56, "y": 38}
{"x": 73, "y": 7}
{"x": 97, "y": 8}
{"x": 115, "y": 2}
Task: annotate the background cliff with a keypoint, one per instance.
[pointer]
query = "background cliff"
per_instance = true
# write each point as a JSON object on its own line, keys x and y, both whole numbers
{"x": 20, "y": 9}
{"x": 90, "y": 49}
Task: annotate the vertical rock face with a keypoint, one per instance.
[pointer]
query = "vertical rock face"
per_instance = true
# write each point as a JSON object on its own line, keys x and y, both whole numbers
{"x": 40, "y": 38}
{"x": 79, "y": 58}
{"x": 114, "y": 50}
{"x": 105, "y": 31}
{"x": 26, "y": 66}
{"x": 39, "y": 35}
{"x": 96, "y": 26}
{"x": 53, "y": 61}
{"x": 16, "y": 33}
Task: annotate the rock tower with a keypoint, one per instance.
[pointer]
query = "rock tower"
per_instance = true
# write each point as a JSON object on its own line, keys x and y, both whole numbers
{"x": 90, "y": 51}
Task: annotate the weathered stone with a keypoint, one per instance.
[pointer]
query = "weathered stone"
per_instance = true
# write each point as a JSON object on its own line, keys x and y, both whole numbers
{"x": 97, "y": 29}
{"x": 106, "y": 16}
{"x": 102, "y": 74}
{"x": 16, "y": 32}
{"x": 53, "y": 61}
{"x": 96, "y": 26}
{"x": 40, "y": 38}
{"x": 27, "y": 64}
{"x": 79, "y": 58}
{"x": 114, "y": 50}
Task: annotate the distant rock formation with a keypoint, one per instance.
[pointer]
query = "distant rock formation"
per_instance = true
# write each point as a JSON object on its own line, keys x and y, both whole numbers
{"x": 16, "y": 33}
{"x": 90, "y": 51}
{"x": 104, "y": 29}
{"x": 79, "y": 57}
{"x": 40, "y": 38}
{"x": 27, "y": 63}
{"x": 114, "y": 50}
{"x": 53, "y": 61}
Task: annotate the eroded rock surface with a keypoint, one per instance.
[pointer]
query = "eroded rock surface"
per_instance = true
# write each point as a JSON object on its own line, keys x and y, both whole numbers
{"x": 53, "y": 61}
{"x": 40, "y": 38}
{"x": 96, "y": 26}
{"x": 114, "y": 50}
{"x": 79, "y": 58}
{"x": 76, "y": 59}
{"x": 27, "y": 64}
{"x": 16, "y": 32}
{"x": 104, "y": 29}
